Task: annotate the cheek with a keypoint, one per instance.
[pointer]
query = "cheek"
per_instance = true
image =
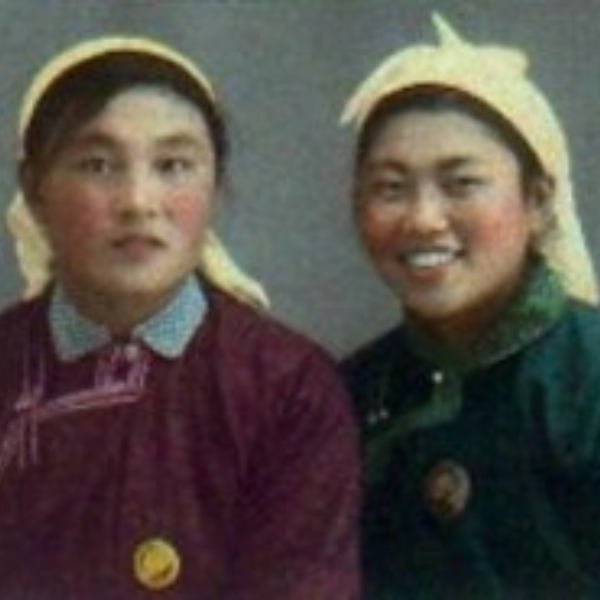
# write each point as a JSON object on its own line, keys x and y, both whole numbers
{"x": 70, "y": 212}
{"x": 506, "y": 228}
{"x": 191, "y": 213}
{"x": 378, "y": 231}
{"x": 89, "y": 218}
{"x": 77, "y": 226}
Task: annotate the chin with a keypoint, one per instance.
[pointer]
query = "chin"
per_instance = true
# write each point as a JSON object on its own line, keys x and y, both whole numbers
{"x": 431, "y": 309}
{"x": 131, "y": 288}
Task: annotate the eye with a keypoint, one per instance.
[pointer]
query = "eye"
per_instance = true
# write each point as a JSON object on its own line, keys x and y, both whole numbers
{"x": 97, "y": 165}
{"x": 176, "y": 166}
{"x": 386, "y": 190}
{"x": 463, "y": 186}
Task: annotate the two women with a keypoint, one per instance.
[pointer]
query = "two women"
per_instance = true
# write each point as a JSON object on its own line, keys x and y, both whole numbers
{"x": 157, "y": 434}
{"x": 480, "y": 414}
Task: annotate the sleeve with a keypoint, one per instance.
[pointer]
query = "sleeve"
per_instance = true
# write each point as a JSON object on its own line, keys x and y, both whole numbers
{"x": 572, "y": 425}
{"x": 299, "y": 527}
{"x": 575, "y": 487}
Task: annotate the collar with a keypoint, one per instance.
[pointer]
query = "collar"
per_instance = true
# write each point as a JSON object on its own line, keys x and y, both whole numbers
{"x": 167, "y": 332}
{"x": 536, "y": 307}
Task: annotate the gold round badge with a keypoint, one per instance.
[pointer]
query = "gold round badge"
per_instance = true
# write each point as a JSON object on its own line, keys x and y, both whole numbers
{"x": 156, "y": 563}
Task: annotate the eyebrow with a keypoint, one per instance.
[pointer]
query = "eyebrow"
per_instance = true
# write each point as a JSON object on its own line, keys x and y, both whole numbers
{"x": 90, "y": 139}
{"x": 182, "y": 140}
{"x": 445, "y": 164}
{"x": 457, "y": 162}
{"x": 99, "y": 139}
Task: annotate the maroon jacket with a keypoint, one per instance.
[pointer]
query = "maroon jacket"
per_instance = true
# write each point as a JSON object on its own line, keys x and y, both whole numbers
{"x": 241, "y": 454}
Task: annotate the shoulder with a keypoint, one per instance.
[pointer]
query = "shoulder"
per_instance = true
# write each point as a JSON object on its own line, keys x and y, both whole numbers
{"x": 565, "y": 361}
{"x": 269, "y": 368}
{"x": 582, "y": 322}
{"x": 17, "y": 319}
{"x": 561, "y": 375}
{"x": 250, "y": 330}
{"x": 18, "y": 323}
{"x": 260, "y": 348}
{"x": 573, "y": 343}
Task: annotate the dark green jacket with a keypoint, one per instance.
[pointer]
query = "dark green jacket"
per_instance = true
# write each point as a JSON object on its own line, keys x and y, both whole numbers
{"x": 521, "y": 414}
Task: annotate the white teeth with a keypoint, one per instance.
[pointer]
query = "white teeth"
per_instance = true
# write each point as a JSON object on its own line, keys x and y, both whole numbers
{"x": 430, "y": 258}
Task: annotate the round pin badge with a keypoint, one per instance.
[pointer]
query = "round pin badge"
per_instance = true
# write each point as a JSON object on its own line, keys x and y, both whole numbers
{"x": 156, "y": 563}
{"x": 448, "y": 490}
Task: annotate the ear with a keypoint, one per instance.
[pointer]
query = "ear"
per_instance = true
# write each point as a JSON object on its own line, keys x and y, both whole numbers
{"x": 29, "y": 184}
{"x": 540, "y": 206}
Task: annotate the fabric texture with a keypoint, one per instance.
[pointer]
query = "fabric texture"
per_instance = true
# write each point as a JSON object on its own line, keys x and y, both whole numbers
{"x": 521, "y": 417}
{"x": 79, "y": 53}
{"x": 239, "y": 456}
{"x": 167, "y": 333}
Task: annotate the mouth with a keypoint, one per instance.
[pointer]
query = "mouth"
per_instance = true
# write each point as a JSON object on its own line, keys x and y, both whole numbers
{"x": 138, "y": 245}
{"x": 430, "y": 258}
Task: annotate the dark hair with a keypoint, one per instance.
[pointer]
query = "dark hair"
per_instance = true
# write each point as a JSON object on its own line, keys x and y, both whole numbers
{"x": 82, "y": 92}
{"x": 436, "y": 98}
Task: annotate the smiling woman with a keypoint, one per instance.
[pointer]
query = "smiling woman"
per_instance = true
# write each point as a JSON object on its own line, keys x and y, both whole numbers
{"x": 158, "y": 430}
{"x": 447, "y": 213}
{"x": 480, "y": 413}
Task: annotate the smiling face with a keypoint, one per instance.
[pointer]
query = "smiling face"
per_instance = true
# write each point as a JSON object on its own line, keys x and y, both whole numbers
{"x": 125, "y": 202}
{"x": 441, "y": 208}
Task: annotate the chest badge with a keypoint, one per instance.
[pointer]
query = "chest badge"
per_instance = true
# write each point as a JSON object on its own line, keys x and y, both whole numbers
{"x": 156, "y": 563}
{"x": 447, "y": 490}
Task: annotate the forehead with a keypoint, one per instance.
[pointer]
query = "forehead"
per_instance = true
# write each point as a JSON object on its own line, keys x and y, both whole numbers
{"x": 146, "y": 112}
{"x": 421, "y": 135}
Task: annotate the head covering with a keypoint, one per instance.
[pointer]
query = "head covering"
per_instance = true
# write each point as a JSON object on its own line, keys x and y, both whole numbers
{"x": 496, "y": 76}
{"x": 32, "y": 250}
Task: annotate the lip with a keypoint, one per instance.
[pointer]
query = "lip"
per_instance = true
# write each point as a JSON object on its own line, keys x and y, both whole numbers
{"x": 138, "y": 245}
{"x": 429, "y": 263}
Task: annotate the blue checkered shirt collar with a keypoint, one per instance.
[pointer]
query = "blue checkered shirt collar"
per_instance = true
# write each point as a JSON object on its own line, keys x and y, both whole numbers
{"x": 167, "y": 332}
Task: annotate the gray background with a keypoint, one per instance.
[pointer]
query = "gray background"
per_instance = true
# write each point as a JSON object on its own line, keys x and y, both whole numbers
{"x": 284, "y": 69}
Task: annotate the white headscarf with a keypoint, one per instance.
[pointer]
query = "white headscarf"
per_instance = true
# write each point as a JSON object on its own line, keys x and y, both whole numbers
{"x": 32, "y": 250}
{"x": 497, "y": 76}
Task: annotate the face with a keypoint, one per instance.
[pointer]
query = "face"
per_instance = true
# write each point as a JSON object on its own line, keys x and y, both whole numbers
{"x": 442, "y": 211}
{"x": 126, "y": 201}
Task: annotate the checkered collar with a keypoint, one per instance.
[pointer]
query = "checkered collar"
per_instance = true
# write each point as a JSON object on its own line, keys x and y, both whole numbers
{"x": 167, "y": 332}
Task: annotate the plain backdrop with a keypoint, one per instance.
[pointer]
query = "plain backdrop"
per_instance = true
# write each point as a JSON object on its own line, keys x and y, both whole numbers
{"x": 283, "y": 69}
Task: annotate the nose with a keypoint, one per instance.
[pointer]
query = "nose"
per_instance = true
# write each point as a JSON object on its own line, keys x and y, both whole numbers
{"x": 428, "y": 211}
{"x": 137, "y": 195}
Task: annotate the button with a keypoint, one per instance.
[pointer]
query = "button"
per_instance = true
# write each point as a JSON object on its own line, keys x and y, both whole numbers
{"x": 156, "y": 563}
{"x": 131, "y": 351}
{"x": 377, "y": 416}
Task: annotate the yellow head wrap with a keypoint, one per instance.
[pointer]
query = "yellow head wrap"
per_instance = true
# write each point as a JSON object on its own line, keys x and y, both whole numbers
{"x": 32, "y": 250}
{"x": 497, "y": 76}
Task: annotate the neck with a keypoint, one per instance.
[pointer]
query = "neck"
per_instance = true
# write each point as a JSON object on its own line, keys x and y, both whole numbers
{"x": 463, "y": 331}
{"x": 458, "y": 334}
{"x": 118, "y": 315}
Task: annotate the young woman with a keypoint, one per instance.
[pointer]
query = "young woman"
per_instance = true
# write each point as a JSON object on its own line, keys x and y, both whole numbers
{"x": 156, "y": 434}
{"x": 481, "y": 413}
